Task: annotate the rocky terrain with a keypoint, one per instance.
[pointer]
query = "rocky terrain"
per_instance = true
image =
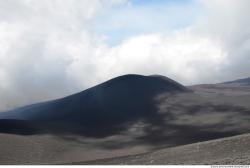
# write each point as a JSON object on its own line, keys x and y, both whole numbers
{"x": 226, "y": 151}
{"x": 149, "y": 117}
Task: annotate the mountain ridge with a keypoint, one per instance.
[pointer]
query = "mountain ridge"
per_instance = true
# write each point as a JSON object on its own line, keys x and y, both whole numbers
{"x": 113, "y": 103}
{"x": 242, "y": 81}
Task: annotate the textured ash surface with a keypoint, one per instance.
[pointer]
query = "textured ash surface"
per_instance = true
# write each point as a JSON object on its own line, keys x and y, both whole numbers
{"x": 170, "y": 119}
{"x": 233, "y": 150}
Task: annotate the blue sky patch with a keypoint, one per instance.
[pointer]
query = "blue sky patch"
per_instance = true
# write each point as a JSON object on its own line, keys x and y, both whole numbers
{"x": 144, "y": 17}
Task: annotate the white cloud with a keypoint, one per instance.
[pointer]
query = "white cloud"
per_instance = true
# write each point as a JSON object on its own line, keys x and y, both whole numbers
{"x": 181, "y": 55}
{"x": 49, "y": 49}
{"x": 228, "y": 22}
{"x": 37, "y": 46}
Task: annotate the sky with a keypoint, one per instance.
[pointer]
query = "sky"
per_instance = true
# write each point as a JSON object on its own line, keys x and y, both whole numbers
{"x": 53, "y": 48}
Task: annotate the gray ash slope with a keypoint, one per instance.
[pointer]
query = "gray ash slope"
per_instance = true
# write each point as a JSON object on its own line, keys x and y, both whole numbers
{"x": 232, "y": 151}
{"x": 99, "y": 111}
{"x": 127, "y": 115}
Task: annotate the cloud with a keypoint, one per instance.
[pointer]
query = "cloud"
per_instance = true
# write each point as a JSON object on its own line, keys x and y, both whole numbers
{"x": 49, "y": 49}
{"x": 228, "y": 23}
{"x": 39, "y": 43}
{"x": 181, "y": 55}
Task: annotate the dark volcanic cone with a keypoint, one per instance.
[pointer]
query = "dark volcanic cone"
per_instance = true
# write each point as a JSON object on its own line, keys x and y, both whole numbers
{"x": 99, "y": 111}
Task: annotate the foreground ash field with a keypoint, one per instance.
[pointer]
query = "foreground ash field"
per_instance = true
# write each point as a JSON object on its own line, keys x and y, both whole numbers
{"x": 152, "y": 118}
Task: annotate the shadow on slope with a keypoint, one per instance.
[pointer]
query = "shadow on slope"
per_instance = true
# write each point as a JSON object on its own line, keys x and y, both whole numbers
{"x": 132, "y": 110}
{"x": 104, "y": 110}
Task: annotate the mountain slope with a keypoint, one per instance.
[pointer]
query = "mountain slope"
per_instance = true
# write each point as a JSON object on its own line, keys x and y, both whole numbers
{"x": 127, "y": 115}
{"x": 231, "y": 151}
{"x": 99, "y": 111}
{"x": 244, "y": 81}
